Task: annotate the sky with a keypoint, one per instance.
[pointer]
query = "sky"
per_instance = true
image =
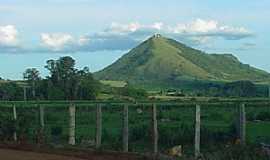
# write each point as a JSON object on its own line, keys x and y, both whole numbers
{"x": 98, "y": 32}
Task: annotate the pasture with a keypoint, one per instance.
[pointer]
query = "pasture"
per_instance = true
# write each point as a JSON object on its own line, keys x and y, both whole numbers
{"x": 175, "y": 124}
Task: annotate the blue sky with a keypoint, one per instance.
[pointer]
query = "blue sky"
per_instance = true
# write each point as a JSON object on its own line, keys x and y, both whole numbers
{"x": 97, "y": 32}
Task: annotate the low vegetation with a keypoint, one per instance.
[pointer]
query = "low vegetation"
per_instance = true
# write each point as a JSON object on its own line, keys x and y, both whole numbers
{"x": 160, "y": 62}
{"x": 175, "y": 123}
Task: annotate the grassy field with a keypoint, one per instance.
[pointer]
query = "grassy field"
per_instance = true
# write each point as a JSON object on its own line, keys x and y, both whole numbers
{"x": 117, "y": 84}
{"x": 175, "y": 124}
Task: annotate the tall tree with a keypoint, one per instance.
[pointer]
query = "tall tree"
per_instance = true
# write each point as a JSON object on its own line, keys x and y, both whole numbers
{"x": 69, "y": 81}
{"x": 32, "y": 75}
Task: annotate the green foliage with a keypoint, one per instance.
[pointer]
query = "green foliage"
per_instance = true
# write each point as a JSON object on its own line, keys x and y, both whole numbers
{"x": 65, "y": 82}
{"x": 55, "y": 93}
{"x": 165, "y": 63}
{"x": 56, "y": 131}
{"x": 26, "y": 123}
{"x": 175, "y": 126}
{"x": 88, "y": 88}
{"x": 237, "y": 152}
{"x": 263, "y": 116}
{"x": 32, "y": 76}
{"x": 133, "y": 92}
{"x": 69, "y": 82}
{"x": 7, "y": 127}
{"x": 240, "y": 89}
{"x": 185, "y": 134}
{"x": 10, "y": 91}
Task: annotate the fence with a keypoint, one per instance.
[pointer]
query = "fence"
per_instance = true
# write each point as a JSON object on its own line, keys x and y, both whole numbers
{"x": 71, "y": 113}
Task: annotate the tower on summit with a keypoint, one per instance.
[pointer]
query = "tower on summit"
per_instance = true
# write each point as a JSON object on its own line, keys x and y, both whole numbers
{"x": 157, "y": 35}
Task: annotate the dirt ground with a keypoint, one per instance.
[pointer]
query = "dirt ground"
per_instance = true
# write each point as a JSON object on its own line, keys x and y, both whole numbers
{"x": 7, "y": 154}
{"x": 18, "y": 154}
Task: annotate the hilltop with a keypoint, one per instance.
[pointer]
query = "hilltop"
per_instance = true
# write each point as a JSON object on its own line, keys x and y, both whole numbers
{"x": 163, "y": 61}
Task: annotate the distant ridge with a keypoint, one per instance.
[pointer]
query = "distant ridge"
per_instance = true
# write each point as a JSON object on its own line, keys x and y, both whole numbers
{"x": 161, "y": 60}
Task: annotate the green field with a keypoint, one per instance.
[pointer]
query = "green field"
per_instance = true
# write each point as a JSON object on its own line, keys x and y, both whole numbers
{"x": 175, "y": 125}
{"x": 117, "y": 84}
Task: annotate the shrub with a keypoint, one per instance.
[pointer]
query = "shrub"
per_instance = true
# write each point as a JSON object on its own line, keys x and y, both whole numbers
{"x": 263, "y": 116}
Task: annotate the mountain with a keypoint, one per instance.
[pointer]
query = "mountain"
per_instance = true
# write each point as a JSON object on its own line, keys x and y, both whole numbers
{"x": 160, "y": 61}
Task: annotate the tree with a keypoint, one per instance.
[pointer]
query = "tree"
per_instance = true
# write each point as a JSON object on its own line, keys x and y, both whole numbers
{"x": 70, "y": 82}
{"x": 62, "y": 75}
{"x": 88, "y": 87}
{"x": 10, "y": 91}
{"x": 240, "y": 89}
{"x": 32, "y": 75}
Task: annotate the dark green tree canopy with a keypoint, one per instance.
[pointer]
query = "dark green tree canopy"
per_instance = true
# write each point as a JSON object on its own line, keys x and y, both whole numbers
{"x": 68, "y": 82}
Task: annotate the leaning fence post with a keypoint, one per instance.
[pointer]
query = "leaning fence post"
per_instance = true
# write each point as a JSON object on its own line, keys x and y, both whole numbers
{"x": 125, "y": 128}
{"x": 98, "y": 126}
{"x": 72, "y": 122}
{"x": 197, "y": 131}
{"x": 155, "y": 129}
{"x": 242, "y": 123}
{"x": 15, "y": 122}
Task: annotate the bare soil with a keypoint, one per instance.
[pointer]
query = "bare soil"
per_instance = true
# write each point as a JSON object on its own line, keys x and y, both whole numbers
{"x": 7, "y": 154}
{"x": 11, "y": 152}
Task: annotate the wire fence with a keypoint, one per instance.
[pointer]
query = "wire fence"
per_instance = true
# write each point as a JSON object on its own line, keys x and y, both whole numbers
{"x": 204, "y": 128}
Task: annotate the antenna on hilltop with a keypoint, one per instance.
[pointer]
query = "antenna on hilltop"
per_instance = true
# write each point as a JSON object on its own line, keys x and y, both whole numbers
{"x": 157, "y": 35}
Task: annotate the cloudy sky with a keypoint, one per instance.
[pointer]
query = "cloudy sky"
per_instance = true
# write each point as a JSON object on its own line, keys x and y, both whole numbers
{"x": 97, "y": 32}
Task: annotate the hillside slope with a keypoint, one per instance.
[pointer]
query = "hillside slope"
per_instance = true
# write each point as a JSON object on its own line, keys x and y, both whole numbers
{"x": 160, "y": 60}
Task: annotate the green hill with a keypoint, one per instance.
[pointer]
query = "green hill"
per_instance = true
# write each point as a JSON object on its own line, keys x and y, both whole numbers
{"x": 160, "y": 61}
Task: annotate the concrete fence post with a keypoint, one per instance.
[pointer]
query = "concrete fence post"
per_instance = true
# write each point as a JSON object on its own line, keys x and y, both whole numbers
{"x": 98, "y": 126}
{"x": 125, "y": 128}
{"x": 72, "y": 124}
{"x": 242, "y": 123}
{"x": 155, "y": 128}
{"x": 197, "y": 131}
{"x": 15, "y": 123}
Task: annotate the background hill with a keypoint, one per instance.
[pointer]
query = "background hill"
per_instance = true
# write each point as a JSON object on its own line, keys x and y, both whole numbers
{"x": 160, "y": 61}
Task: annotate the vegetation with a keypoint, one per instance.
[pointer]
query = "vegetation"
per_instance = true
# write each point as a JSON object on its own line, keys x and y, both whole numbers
{"x": 32, "y": 76}
{"x": 64, "y": 82}
{"x": 117, "y": 84}
{"x": 175, "y": 124}
{"x": 156, "y": 63}
{"x": 164, "y": 63}
{"x": 10, "y": 91}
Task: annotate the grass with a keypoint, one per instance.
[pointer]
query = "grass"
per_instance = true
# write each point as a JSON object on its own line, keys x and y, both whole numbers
{"x": 116, "y": 84}
{"x": 175, "y": 123}
{"x": 173, "y": 64}
{"x": 258, "y": 132}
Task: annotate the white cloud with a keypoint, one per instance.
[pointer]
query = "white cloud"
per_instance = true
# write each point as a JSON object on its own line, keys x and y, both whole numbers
{"x": 120, "y": 28}
{"x": 210, "y": 28}
{"x": 198, "y": 31}
{"x": 126, "y": 36}
{"x": 123, "y": 29}
{"x": 56, "y": 41}
{"x": 8, "y": 36}
{"x": 157, "y": 25}
{"x": 197, "y": 26}
{"x": 83, "y": 40}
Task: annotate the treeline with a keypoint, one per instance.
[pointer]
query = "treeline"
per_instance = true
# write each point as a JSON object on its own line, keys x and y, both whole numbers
{"x": 64, "y": 82}
{"x": 242, "y": 88}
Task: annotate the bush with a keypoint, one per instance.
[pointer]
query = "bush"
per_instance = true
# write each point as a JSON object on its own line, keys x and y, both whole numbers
{"x": 56, "y": 131}
{"x": 263, "y": 116}
{"x": 133, "y": 92}
{"x": 237, "y": 152}
{"x": 7, "y": 127}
